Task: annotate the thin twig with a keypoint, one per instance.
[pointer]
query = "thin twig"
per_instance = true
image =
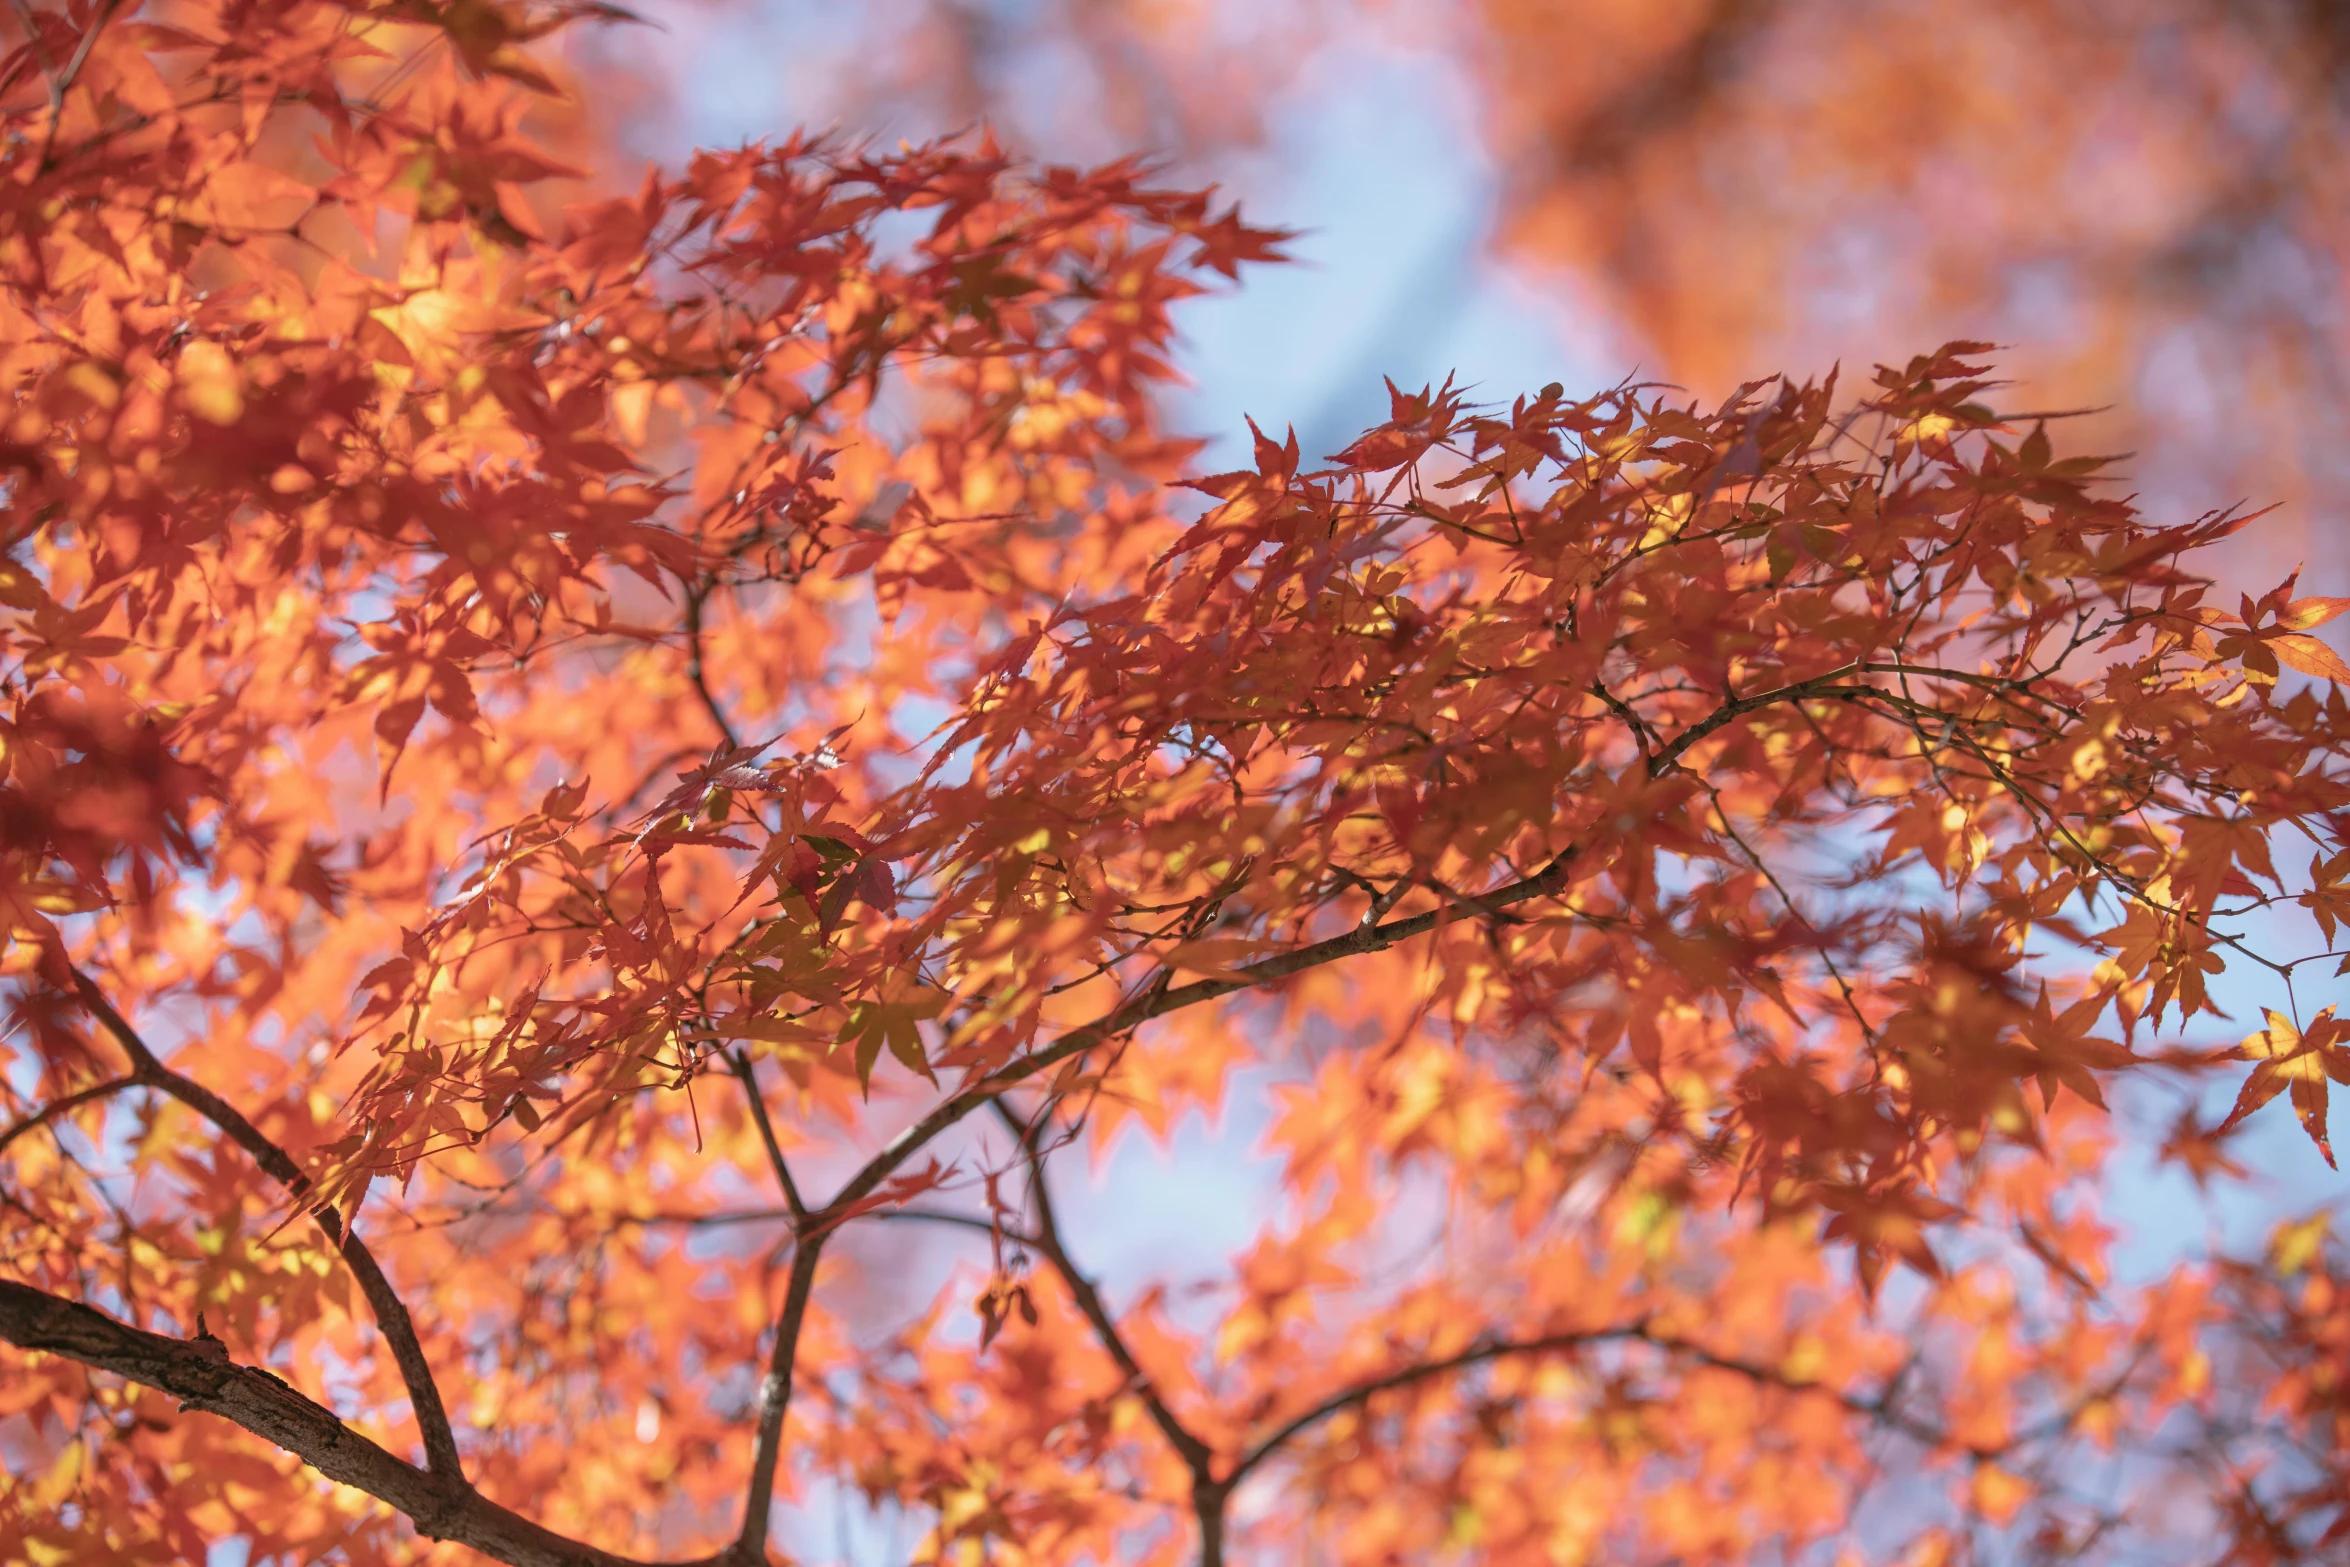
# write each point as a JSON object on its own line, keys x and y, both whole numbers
{"x": 694, "y": 668}
{"x": 71, "y": 1102}
{"x": 63, "y": 80}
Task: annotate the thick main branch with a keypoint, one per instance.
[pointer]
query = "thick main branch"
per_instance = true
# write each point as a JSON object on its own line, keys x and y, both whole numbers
{"x": 200, "y": 1376}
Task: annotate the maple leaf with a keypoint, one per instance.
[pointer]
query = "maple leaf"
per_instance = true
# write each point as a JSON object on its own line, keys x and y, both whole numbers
{"x": 889, "y": 1021}
{"x": 2196, "y": 1146}
{"x": 2308, "y": 655}
{"x": 2295, "y": 1061}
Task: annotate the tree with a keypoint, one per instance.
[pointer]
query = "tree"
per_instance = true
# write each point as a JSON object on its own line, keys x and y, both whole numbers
{"x": 567, "y": 768}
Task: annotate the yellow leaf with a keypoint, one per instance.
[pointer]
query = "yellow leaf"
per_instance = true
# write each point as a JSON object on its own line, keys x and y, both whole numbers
{"x": 2302, "y": 614}
{"x": 2280, "y": 1038}
{"x": 2310, "y": 656}
{"x": 2296, "y": 1245}
{"x": 1999, "y": 1495}
{"x": 632, "y": 406}
{"x": 210, "y": 384}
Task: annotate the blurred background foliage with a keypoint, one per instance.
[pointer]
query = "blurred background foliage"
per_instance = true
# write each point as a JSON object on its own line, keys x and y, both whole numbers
{"x": 2147, "y": 199}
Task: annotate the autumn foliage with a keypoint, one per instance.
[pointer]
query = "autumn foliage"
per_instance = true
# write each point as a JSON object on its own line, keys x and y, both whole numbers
{"x": 593, "y": 758}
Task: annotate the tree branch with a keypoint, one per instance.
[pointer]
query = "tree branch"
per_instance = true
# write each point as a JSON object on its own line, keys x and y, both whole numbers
{"x": 391, "y": 1315}
{"x": 1196, "y": 1454}
{"x": 71, "y": 1102}
{"x": 1636, "y": 1333}
{"x": 441, "y": 1506}
{"x": 1208, "y": 1493}
{"x": 775, "y": 1392}
{"x": 81, "y": 53}
{"x": 695, "y": 672}
{"x": 1368, "y": 937}
{"x": 63, "y": 81}
{"x": 791, "y": 1191}
{"x": 1818, "y": 685}
{"x": 1365, "y": 1391}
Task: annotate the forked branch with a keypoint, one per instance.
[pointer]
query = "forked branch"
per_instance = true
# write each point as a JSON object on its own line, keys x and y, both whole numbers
{"x": 391, "y": 1315}
{"x": 1196, "y": 1454}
